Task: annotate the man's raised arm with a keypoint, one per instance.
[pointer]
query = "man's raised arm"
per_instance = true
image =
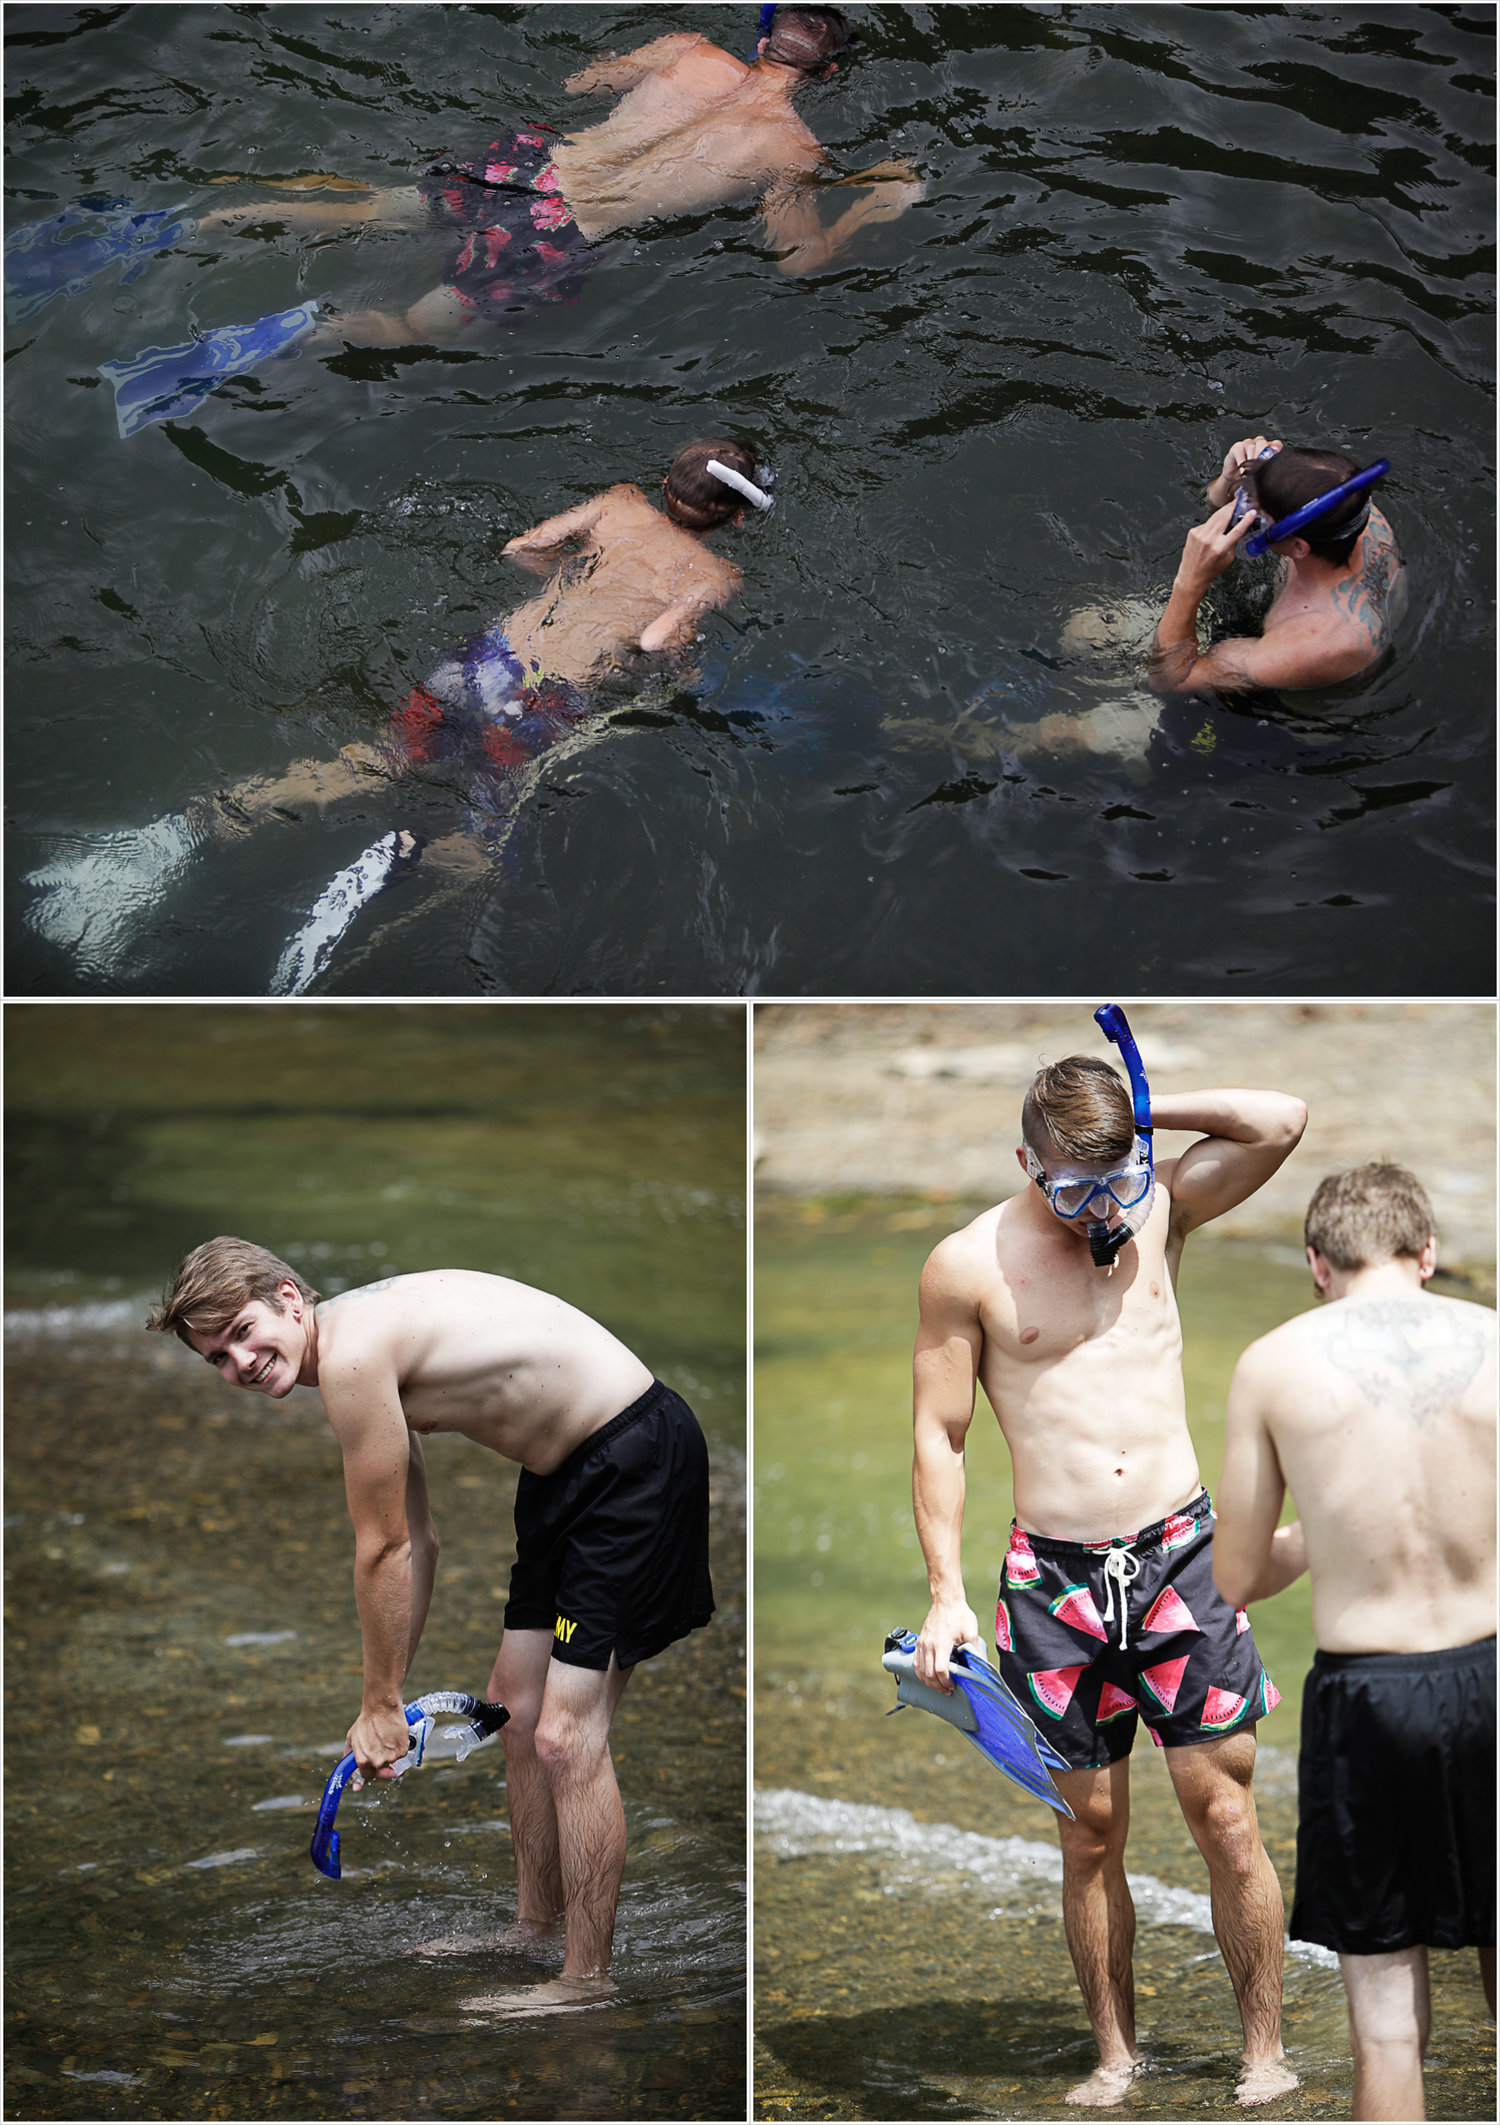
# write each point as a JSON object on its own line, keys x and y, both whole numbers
{"x": 537, "y": 549}
{"x": 1246, "y": 1136}
{"x": 392, "y": 1571}
{"x": 945, "y": 1372}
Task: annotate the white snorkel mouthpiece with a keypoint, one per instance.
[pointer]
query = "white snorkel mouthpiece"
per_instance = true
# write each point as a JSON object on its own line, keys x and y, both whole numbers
{"x": 757, "y": 496}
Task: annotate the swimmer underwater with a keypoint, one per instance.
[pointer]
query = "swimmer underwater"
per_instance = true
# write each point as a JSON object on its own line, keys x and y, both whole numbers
{"x": 695, "y": 128}
{"x": 624, "y": 579}
{"x": 611, "y": 1538}
{"x": 1341, "y": 590}
{"x": 1060, "y": 1303}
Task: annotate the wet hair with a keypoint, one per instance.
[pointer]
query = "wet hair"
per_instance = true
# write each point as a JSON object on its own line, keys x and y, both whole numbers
{"x": 215, "y": 1281}
{"x": 1294, "y": 477}
{"x": 1079, "y": 1108}
{"x": 1367, "y": 1215}
{"x": 695, "y": 499}
{"x": 807, "y": 38}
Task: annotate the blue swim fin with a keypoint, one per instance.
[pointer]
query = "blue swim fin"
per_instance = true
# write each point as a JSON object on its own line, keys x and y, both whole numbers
{"x": 984, "y": 1712}
{"x": 60, "y": 256}
{"x": 164, "y": 382}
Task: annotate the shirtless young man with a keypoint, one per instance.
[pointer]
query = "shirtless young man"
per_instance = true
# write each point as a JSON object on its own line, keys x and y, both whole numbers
{"x": 1378, "y": 1410}
{"x": 1342, "y": 588}
{"x": 624, "y": 578}
{"x": 695, "y": 128}
{"x": 611, "y": 1534}
{"x": 1082, "y": 1365}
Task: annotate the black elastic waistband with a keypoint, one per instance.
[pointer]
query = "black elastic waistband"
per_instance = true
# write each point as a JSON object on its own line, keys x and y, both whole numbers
{"x": 1445, "y": 1658}
{"x": 642, "y": 1406}
{"x": 1144, "y": 1538}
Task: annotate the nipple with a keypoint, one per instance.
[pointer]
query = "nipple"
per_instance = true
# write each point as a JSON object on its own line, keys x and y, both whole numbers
{"x": 1029, "y": 1335}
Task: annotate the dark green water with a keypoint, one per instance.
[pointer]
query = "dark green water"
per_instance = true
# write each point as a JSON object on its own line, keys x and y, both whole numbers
{"x": 910, "y": 1958}
{"x": 1149, "y": 230}
{"x": 182, "y": 1647}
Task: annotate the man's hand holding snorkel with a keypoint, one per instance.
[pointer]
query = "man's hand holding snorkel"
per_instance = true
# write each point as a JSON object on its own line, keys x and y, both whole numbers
{"x": 1339, "y": 593}
{"x": 1207, "y": 551}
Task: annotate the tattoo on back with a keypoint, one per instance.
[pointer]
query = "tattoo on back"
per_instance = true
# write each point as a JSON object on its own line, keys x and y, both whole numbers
{"x": 1408, "y": 1357}
{"x": 1363, "y": 599}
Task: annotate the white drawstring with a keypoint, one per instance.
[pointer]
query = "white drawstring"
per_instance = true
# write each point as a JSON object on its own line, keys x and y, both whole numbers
{"x": 1121, "y": 1567}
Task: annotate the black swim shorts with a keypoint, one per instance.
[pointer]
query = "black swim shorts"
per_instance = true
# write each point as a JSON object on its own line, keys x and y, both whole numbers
{"x": 518, "y": 239}
{"x": 612, "y": 1547}
{"x": 1396, "y": 1801}
{"x": 1092, "y": 1636}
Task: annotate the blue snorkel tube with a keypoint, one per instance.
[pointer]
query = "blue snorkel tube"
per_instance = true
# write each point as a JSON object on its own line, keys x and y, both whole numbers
{"x": 767, "y": 17}
{"x": 1104, "y": 1245}
{"x": 484, "y": 1720}
{"x": 1289, "y": 527}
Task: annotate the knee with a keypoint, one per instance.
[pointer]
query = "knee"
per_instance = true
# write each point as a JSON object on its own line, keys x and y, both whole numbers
{"x": 565, "y": 1748}
{"x": 1226, "y": 1831}
{"x": 1094, "y": 1839}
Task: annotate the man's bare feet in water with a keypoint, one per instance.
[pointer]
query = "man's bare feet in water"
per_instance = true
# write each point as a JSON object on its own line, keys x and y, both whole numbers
{"x": 1106, "y": 2084}
{"x": 555, "y": 1996}
{"x": 1263, "y": 2081}
{"x": 526, "y": 1936}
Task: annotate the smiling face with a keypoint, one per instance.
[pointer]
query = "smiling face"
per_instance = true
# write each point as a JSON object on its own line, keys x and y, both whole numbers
{"x": 265, "y": 1347}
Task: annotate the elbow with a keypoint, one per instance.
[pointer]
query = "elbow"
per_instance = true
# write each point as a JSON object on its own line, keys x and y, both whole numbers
{"x": 379, "y": 1553}
{"x": 1293, "y": 1121}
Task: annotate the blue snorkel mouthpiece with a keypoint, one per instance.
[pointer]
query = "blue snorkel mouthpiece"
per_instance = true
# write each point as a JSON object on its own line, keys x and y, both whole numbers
{"x": 1290, "y": 526}
{"x": 483, "y": 1721}
{"x": 1105, "y": 1241}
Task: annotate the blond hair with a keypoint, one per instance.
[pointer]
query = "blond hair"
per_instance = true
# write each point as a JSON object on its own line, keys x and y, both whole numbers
{"x": 215, "y": 1281}
{"x": 1078, "y": 1108}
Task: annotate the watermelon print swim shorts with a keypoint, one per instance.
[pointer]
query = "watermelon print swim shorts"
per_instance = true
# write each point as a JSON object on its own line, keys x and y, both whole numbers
{"x": 1092, "y": 1636}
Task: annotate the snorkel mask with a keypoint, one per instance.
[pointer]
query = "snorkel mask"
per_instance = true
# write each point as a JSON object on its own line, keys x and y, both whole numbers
{"x": 1322, "y": 505}
{"x": 1129, "y": 1185}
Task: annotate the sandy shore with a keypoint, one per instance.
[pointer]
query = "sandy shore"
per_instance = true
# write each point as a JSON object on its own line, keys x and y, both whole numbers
{"x": 921, "y": 1099}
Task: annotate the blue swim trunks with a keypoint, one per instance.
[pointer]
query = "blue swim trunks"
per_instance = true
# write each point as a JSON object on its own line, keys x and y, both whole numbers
{"x": 483, "y": 710}
{"x": 519, "y": 241}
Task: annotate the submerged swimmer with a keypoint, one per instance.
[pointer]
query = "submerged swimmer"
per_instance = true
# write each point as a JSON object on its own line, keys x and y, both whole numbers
{"x": 624, "y": 578}
{"x": 695, "y": 128}
{"x": 611, "y": 1514}
{"x": 1340, "y": 590}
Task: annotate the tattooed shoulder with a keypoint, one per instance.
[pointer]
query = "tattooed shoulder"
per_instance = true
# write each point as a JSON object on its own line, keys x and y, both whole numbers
{"x": 1408, "y": 1357}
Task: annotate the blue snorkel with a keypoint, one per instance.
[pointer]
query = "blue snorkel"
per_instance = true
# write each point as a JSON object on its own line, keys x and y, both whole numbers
{"x": 1289, "y": 526}
{"x": 767, "y": 17}
{"x": 1105, "y": 1244}
{"x": 484, "y": 1720}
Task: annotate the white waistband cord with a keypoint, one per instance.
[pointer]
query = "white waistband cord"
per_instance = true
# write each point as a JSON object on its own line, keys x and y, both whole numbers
{"x": 1121, "y": 1567}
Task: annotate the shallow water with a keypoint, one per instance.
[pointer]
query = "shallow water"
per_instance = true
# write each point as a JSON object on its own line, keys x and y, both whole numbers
{"x": 1149, "y": 230}
{"x": 182, "y": 1649}
{"x": 940, "y": 1983}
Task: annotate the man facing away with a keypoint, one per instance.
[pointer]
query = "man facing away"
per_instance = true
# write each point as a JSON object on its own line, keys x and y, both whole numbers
{"x": 1107, "y": 1613}
{"x": 694, "y": 128}
{"x": 1342, "y": 588}
{"x": 1378, "y": 1409}
{"x": 611, "y": 1534}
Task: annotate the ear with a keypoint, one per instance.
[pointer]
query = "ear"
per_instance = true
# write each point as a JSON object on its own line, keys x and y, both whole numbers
{"x": 1021, "y": 1160}
{"x": 289, "y": 1299}
{"x": 1427, "y": 1260}
{"x": 1322, "y": 1275}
